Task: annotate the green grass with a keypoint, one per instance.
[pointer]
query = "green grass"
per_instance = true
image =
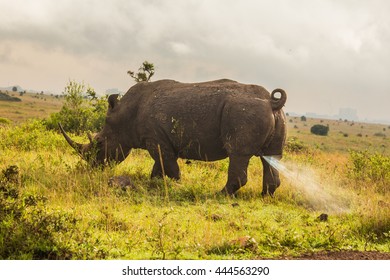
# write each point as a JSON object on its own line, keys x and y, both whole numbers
{"x": 56, "y": 207}
{"x": 68, "y": 210}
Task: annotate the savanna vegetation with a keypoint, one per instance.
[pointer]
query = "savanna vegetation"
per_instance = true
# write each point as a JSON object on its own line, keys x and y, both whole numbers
{"x": 54, "y": 206}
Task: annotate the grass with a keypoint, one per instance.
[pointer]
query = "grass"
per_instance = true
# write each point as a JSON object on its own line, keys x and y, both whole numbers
{"x": 56, "y": 207}
{"x": 32, "y": 106}
{"x": 343, "y": 135}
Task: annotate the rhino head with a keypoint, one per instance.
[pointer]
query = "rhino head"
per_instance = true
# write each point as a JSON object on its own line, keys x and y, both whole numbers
{"x": 106, "y": 146}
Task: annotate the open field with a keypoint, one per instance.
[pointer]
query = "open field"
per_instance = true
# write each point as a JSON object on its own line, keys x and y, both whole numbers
{"x": 32, "y": 106}
{"x": 53, "y": 206}
{"x": 343, "y": 135}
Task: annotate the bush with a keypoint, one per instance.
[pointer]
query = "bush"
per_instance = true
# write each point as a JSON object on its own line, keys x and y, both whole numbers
{"x": 30, "y": 136}
{"x": 29, "y": 229}
{"x": 319, "y": 129}
{"x": 293, "y": 145}
{"x": 5, "y": 121}
{"x": 380, "y": 134}
{"x": 25, "y": 231}
{"x": 82, "y": 110}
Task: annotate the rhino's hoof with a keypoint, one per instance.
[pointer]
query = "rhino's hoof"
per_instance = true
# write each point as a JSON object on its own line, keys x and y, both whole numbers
{"x": 226, "y": 192}
{"x": 265, "y": 193}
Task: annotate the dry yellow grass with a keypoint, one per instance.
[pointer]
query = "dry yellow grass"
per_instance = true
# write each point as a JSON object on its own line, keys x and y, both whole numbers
{"x": 343, "y": 135}
{"x": 32, "y": 106}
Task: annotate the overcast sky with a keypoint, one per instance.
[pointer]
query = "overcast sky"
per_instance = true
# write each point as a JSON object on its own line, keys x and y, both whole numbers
{"x": 326, "y": 54}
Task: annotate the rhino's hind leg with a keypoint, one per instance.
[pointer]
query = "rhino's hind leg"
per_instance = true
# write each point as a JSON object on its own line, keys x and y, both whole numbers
{"x": 237, "y": 174}
{"x": 271, "y": 180}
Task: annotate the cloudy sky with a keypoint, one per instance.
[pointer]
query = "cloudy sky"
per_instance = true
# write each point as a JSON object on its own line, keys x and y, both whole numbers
{"x": 327, "y": 54}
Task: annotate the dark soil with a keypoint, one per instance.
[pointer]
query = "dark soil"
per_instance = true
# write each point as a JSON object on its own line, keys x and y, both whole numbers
{"x": 343, "y": 255}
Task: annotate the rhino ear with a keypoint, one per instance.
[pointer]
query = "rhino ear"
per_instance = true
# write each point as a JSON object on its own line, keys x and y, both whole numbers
{"x": 113, "y": 101}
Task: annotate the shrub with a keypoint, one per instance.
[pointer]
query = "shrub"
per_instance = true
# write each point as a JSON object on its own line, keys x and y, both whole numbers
{"x": 82, "y": 110}
{"x": 29, "y": 229}
{"x": 293, "y": 145}
{"x": 380, "y": 134}
{"x": 30, "y": 136}
{"x": 5, "y": 121}
{"x": 303, "y": 118}
{"x": 319, "y": 129}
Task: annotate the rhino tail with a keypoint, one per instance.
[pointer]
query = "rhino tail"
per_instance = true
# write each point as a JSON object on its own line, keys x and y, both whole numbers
{"x": 277, "y": 102}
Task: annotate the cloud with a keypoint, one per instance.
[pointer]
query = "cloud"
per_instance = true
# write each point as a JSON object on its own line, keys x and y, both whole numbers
{"x": 329, "y": 51}
{"x": 180, "y": 48}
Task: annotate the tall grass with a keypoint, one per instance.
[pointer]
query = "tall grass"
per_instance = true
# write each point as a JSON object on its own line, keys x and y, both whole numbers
{"x": 60, "y": 208}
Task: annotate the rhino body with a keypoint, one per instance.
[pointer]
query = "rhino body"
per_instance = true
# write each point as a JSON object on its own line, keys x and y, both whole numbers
{"x": 200, "y": 121}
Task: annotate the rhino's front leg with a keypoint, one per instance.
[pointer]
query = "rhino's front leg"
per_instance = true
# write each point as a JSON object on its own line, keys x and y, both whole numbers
{"x": 237, "y": 174}
{"x": 271, "y": 180}
{"x": 165, "y": 161}
{"x": 169, "y": 168}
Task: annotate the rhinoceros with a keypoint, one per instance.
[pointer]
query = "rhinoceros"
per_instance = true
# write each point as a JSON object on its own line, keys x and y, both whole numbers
{"x": 206, "y": 121}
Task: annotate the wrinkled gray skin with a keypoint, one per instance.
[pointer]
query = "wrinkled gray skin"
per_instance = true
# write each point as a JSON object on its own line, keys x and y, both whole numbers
{"x": 200, "y": 121}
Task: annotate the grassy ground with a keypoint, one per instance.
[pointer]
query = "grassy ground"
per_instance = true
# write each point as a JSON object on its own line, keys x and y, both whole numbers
{"x": 343, "y": 135}
{"x": 55, "y": 206}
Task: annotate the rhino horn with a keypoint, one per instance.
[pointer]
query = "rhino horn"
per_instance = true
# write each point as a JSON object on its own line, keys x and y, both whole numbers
{"x": 78, "y": 147}
{"x": 277, "y": 103}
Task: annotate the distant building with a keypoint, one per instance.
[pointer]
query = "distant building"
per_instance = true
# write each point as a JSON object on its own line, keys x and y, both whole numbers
{"x": 113, "y": 91}
{"x": 348, "y": 114}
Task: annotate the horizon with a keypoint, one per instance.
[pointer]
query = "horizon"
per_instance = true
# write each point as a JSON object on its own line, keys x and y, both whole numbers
{"x": 312, "y": 115}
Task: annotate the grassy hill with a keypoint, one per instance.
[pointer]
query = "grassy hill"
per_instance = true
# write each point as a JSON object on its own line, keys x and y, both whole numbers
{"x": 32, "y": 105}
{"x": 334, "y": 197}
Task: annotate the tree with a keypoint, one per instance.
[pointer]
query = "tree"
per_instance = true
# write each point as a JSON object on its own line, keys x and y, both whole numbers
{"x": 14, "y": 89}
{"x": 144, "y": 74}
{"x": 82, "y": 110}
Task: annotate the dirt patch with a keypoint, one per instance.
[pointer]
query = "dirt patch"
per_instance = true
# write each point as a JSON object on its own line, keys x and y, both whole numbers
{"x": 343, "y": 255}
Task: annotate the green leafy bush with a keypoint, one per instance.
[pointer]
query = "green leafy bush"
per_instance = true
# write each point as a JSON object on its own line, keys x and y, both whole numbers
{"x": 4, "y": 121}
{"x": 82, "y": 111}
{"x": 293, "y": 145}
{"x": 30, "y": 136}
{"x": 319, "y": 129}
{"x": 29, "y": 229}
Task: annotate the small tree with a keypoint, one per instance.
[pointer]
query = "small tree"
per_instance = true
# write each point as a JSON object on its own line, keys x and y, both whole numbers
{"x": 144, "y": 74}
{"x": 14, "y": 89}
{"x": 82, "y": 110}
